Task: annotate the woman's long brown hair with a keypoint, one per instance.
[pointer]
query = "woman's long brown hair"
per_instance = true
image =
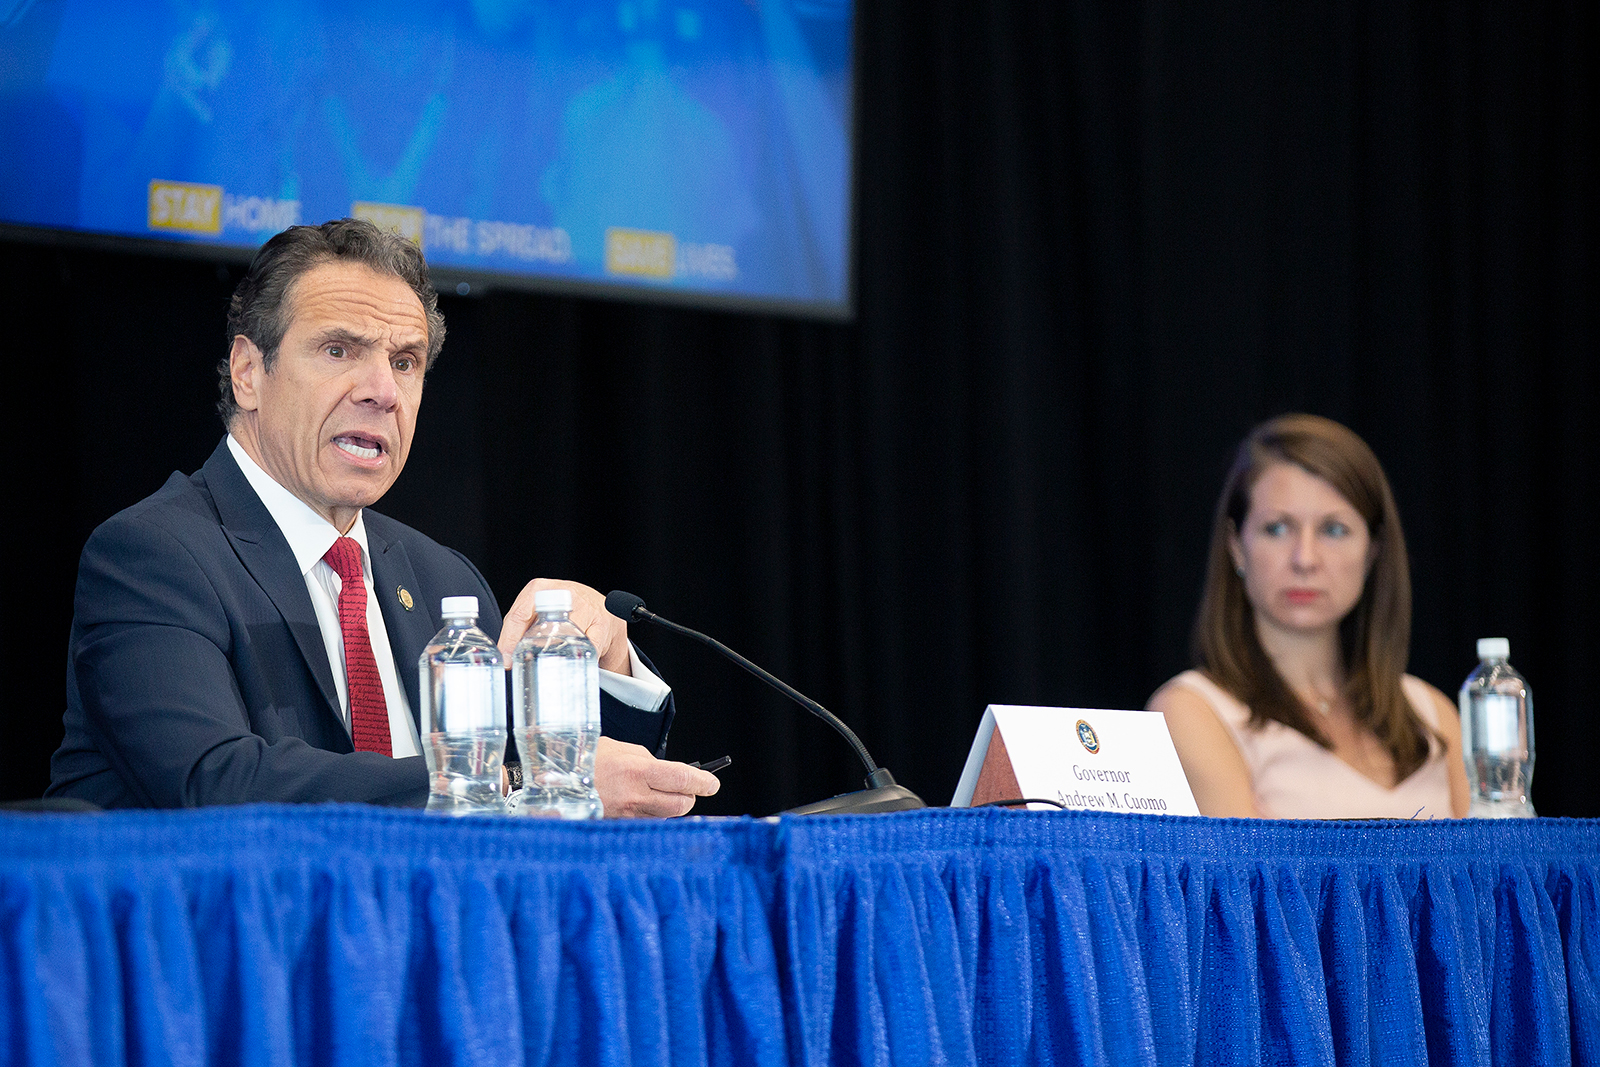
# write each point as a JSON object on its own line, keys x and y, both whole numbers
{"x": 1374, "y": 638}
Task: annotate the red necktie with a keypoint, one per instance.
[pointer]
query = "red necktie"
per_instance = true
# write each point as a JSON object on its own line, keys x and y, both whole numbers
{"x": 369, "y": 715}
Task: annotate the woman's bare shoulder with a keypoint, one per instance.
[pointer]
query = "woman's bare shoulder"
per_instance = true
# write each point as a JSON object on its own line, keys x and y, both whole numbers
{"x": 1206, "y": 749}
{"x": 1448, "y": 719}
{"x": 1179, "y": 691}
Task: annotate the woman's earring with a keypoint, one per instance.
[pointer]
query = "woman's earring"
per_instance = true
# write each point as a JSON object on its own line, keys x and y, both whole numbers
{"x": 1239, "y": 571}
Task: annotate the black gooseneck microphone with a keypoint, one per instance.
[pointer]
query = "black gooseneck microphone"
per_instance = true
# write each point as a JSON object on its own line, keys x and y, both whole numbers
{"x": 882, "y": 792}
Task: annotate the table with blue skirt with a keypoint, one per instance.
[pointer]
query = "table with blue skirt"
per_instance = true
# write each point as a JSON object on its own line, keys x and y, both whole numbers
{"x": 279, "y": 935}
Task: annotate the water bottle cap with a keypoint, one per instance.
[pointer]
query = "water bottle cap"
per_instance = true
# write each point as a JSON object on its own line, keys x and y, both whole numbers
{"x": 1494, "y": 648}
{"x": 453, "y": 606}
{"x": 552, "y": 600}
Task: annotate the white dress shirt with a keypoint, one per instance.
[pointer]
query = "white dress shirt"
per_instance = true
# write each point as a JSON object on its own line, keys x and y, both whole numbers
{"x": 310, "y": 536}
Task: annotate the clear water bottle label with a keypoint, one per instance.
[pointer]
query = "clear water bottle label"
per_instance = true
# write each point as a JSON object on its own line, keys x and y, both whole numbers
{"x": 467, "y": 697}
{"x": 1502, "y": 735}
{"x": 566, "y": 693}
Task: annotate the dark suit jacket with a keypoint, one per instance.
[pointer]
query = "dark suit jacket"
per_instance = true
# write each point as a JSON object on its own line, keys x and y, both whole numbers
{"x": 196, "y": 673}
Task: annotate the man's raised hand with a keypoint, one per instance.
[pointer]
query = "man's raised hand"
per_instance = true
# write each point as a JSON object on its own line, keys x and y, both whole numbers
{"x": 589, "y": 614}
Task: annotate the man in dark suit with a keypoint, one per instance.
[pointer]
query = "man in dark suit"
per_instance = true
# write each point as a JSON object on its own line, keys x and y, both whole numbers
{"x": 251, "y": 632}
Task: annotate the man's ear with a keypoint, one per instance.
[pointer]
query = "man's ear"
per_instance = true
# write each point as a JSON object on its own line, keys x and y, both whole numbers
{"x": 246, "y": 366}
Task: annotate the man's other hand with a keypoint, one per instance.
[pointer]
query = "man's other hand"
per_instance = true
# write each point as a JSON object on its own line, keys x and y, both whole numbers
{"x": 589, "y": 614}
{"x": 632, "y": 783}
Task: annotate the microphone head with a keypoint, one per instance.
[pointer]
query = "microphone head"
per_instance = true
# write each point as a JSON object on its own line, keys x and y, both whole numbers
{"x": 623, "y": 605}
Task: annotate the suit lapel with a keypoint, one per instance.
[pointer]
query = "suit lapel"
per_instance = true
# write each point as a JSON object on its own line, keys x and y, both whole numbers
{"x": 265, "y": 553}
{"x": 410, "y": 629}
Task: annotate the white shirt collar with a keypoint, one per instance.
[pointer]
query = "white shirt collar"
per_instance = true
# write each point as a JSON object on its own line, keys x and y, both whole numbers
{"x": 309, "y": 534}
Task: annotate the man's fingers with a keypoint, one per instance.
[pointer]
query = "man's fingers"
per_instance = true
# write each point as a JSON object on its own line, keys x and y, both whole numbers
{"x": 514, "y": 625}
{"x": 658, "y": 806}
{"x": 668, "y": 777}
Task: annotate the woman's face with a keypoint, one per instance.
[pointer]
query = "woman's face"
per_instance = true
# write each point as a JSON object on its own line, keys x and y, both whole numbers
{"x": 1304, "y": 550}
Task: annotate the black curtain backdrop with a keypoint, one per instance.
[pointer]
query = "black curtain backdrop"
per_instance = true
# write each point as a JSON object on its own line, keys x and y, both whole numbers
{"x": 1096, "y": 243}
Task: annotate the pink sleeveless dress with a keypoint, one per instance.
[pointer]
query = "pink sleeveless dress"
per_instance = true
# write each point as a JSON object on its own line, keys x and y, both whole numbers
{"x": 1293, "y": 777}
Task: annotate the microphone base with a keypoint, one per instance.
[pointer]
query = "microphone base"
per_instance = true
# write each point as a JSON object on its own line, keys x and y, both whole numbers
{"x": 863, "y": 802}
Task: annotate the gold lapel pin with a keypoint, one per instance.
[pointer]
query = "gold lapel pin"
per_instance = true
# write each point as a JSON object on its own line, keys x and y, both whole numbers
{"x": 405, "y": 596}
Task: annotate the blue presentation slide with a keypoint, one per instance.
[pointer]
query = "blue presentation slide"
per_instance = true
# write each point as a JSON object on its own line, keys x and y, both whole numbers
{"x": 697, "y": 145}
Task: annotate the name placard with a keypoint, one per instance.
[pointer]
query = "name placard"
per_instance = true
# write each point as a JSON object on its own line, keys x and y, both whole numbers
{"x": 1084, "y": 759}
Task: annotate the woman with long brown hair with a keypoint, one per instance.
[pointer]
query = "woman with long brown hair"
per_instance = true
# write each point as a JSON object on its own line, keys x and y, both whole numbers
{"x": 1301, "y": 707}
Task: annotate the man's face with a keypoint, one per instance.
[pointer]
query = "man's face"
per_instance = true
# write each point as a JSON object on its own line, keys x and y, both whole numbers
{"x": 332, "y": 421}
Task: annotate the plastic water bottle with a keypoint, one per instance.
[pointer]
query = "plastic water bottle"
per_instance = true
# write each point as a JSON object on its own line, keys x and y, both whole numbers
{"x": 555, "y": 711}
{"x": 1497, "y": 735}
{"x": 463, "y": 716}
